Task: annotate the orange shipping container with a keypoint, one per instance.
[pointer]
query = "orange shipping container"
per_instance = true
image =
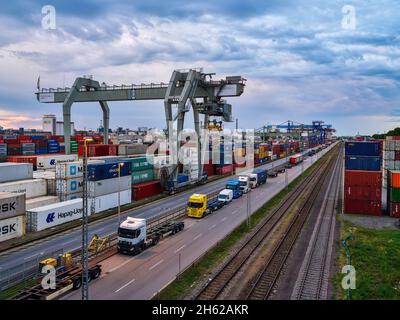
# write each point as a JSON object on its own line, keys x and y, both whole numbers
{"x": 394, "y": 178}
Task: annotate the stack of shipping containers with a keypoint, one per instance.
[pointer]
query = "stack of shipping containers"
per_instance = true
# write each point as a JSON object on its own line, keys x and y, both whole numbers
{"x": 105, "y": 182}
{"x": 363, "y": 178}
{"x": 392, "y": 175}
{"x": 12, "y": 215}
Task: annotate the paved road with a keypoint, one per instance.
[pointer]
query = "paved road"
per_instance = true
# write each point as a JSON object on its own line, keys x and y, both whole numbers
{"x": 141, "y": 276}
{"x": 70, "y": 240}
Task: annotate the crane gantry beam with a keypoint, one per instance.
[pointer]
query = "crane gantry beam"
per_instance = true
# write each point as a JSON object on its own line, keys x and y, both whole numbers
{"x": 183, "y": 90}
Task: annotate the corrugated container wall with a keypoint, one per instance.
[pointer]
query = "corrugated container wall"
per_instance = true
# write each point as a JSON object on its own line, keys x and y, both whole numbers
{"x": 32, "y": 188}
{"x": 11, "y": 205}
{"x": 10, "y": 171}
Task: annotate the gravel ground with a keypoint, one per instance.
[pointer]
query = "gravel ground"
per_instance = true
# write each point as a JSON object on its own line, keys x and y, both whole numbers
{"x": 371, "y": 222}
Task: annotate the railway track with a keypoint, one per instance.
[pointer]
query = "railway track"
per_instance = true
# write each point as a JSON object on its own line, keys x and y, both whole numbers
{"x": 312, "y": 283}
{"x": 220, "y": 281}
{"x": 265, "y": 282}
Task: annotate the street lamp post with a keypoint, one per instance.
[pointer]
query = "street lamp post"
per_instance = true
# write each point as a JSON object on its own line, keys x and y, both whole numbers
{"x": 120, "y": 165}
{"x": 85, "y": 228}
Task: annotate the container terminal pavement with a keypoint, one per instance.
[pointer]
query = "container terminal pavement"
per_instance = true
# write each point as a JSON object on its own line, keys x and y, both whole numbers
{"x": 69, "y": 241}
{"x": 142, "y": 276}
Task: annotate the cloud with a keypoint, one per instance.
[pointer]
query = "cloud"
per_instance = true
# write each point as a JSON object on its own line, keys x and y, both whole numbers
{"x": 298, "y": 61}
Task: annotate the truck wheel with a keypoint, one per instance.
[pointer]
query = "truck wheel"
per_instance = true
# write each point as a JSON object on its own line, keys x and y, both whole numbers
{"x": 77, "y": 283}
{"x": 96, "y": 273}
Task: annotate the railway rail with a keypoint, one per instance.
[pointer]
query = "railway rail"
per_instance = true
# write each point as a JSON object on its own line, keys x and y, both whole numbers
{"x": 220, "y": 281}
{"x": 313, "y": 279}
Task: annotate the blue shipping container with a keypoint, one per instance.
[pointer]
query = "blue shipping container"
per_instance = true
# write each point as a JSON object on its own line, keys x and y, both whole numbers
{"x": 104, "y": 171}
{"x": 361, "y": 148}
{"x": 363, "y": 163}
{"x": 182, "y": 178}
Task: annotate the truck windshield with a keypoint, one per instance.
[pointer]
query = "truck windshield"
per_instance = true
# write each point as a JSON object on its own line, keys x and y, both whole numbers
{"x": 252, "y": 179}
{"x": 195, "y": 205}
{"x": 243, "y": 183}
{"x": 223, "y": 196}
{"x": 231, "y": 187}
{"x": 128, "y": 233}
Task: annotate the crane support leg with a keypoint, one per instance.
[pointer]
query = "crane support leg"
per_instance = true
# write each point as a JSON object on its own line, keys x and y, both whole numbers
{"x": 106, "y": 120}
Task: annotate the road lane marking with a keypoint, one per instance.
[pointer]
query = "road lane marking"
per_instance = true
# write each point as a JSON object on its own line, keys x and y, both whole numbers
{"x": 32, "y": 256}
{"x": 198, "y": 236}
{"x": 190, "y": 225}
{"x": 234, "y": 212}
{"x": 179, "y": 249}
{"x": 125, "y": 285}
{"x": 155, "y": 265}
{"x": 121, "y": 265}
{"x": 212, "y": 227}
{"x": 223, "y": 219}
{"x": 66, "y": 242}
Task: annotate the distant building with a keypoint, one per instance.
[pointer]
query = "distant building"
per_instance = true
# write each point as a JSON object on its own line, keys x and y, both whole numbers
{"x": 50, "y": 124}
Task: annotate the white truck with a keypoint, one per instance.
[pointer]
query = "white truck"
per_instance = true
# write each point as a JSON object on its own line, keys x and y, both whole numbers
{"x": 134, "y": 236}
{"x": 244, "y": 183}
{"x": 226, "y": 196}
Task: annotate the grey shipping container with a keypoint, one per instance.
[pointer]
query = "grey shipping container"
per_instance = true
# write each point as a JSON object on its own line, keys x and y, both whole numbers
{"x": 103, "y": 187}
{"x": 130, "y": 149}
{"x": 10, "y": 171}
{"x": 11, "y": 205}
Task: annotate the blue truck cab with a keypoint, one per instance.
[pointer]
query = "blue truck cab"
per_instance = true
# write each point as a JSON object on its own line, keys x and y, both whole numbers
{"x": 234, "y": 185}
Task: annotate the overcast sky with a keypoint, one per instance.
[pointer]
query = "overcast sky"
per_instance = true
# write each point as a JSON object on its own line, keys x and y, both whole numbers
{"x": 302, "y": 61}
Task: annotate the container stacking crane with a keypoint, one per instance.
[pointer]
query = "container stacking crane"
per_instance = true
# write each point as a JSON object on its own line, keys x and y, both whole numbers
{"x": 186, "y": 88}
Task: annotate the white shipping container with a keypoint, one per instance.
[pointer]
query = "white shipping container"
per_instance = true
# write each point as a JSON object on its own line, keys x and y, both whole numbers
{"x": 54, "y": 214}
{"x": 49, "y": 162}
{"x": 109, "y": 201}
{"x": 11, "y": 205}
{"x": 107, "y": 186}
{"x": 12, "y": 228}
{"x": 67, "y": 170}
{"x": 11, "y": 171}
{"x": 32, "y": 188}
{"x": 40, "y": 202}
{"x": 72, "y": 196}
{"x": 68, "y": 186}
{"x": 131, "y": 149}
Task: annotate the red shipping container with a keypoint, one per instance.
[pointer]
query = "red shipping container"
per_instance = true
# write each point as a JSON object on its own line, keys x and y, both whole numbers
{"x": 145, "y": 190}
{"x": 397, "y": 155}
{"x": 363, "y": 193}
{"x": 394, "y": 209}
{"x": 221, "y": 170}
{"x": 209, "y": 169}
{"x": 352, "y": 206}
{"x": 24, "y": 159}
{"x": 363, "y": 178}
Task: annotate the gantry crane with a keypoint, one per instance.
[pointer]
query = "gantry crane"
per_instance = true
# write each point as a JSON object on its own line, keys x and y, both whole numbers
{"x": 186, "y": 88}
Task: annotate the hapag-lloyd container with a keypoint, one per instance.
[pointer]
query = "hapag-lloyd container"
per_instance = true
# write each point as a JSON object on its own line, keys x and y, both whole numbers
{"x": 103, "y": 187}
{"x": 54, "y": 214}
{"x": 108, "y": 170}
{"x": 11, "y": 205}
{"x": 363, "y": 178}
{"x": 32, "y": 188}
{"x": 10, "y": 171}
{"x": 146, "y": 190}
{"x": 109, "y": 201}
{"x": 370, "y": 148}
{"x": 40, "y": 202}
{"x": 363, "y": 193}
{"x": 11, "y": 228}
{"x": 50, "y": 161}
{"x": 362, "y": 207}
{"x": 363, "y": 163}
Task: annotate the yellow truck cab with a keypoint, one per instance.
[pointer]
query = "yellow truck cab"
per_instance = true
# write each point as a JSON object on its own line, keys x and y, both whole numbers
{"x": 197, "y": 205}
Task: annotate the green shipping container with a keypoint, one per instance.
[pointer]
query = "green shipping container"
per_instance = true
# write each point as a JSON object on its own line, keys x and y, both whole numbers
{"x": 139, "y": 164}
{"x": 142, "y": 176}
{"x": 395, "y": 194}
